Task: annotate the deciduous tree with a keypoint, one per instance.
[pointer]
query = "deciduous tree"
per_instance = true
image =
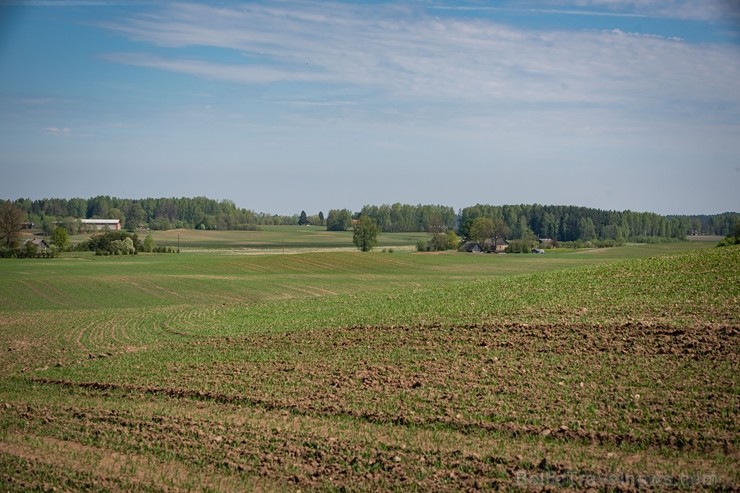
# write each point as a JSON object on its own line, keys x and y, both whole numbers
{"x": 11, "y": 223}
{"x": 60, "y": 238}
{"x": 338, "y": 220}
{"x": 149, "y": 243}
{"x": 485, "y": 228}
{"x": 365, "y": 235}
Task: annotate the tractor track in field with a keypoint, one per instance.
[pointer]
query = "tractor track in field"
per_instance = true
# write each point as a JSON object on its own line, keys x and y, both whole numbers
{"x": 120, "y": 442}
{"x": 481, "y": 369}
{"x": 484, "y": 370}
{"x": 678, "y": 440}
{"x": 473, "y": 375}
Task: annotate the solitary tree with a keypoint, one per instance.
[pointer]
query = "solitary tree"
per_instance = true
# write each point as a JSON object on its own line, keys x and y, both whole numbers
{"x": 365, "y": 235}
{"x": 60, "y": 238}
{"x": 11, "y": 222}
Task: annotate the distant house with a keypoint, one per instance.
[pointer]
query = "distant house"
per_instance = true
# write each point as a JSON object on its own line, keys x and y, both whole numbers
{"x": 28, "y": 225}
{"x": 501, "y": 246}
{"x": 473, "y": 247}
{"x": 470, "y": 247}
{"x": 40, "y": 243}
{"x": 101, "y": 224}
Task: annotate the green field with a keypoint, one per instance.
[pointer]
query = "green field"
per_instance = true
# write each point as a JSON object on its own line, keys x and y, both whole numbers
{"x": 270, "y": 239}
{"x": 316, "y": 367}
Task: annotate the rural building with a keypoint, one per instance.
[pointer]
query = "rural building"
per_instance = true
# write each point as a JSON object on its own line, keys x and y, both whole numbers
{"x": 501, "y": 245}
{"x": 473, "y": 247}
{"x": 101, "y": 224}
{"x": 40, "y": 243}
{"x": 470, "y": 247}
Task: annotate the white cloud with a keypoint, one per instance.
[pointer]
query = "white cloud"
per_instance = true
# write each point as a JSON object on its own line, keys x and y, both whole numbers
{"x": 704, "y": 10}
{"x": 58, "y": 132}
{"x": 401, "y": 54}
{"x": 218, "y": 71}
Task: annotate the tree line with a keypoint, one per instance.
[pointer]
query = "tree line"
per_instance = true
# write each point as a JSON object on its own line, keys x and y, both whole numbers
{"x": 152, "y": 213}
{"x": 571, "y": 223}
{"x": 526, "y": 221}
{"x": 559, "y": 223}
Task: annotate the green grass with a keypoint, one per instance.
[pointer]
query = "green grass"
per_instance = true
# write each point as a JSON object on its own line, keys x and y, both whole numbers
{"x": 82, "y": 280}
{"x": 269, "y": 239}
{"x": 377, "y": 371}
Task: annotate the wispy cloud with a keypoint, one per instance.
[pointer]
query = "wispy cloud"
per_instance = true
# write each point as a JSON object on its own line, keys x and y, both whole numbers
{"x": 705, "y": 10}
{"x": 219, "y": 71}
{"x": 397, "y": 53}
{"x": 58, "y": 132}
{"x": 535, "y": 10}
{"x": 65, "y": 3}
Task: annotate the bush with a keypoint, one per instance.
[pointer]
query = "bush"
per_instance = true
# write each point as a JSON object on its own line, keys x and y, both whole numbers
{"x": 114, "y": 243}
{"x": 439, "y": 242}
{"x": 165, "y": 249}
{"x": 732, "y": 239}
{"x": 148, "y": 243}
{"x": 520, "y": 246}
{"x": 729, "y": 241}
{"x": 247, "y": 227}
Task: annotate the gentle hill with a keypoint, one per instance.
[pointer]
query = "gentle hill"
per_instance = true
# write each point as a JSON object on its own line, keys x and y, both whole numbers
{"x": 336, "y": 370}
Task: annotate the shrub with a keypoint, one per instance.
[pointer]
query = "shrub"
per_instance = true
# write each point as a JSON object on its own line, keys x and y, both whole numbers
{"x": 114, "y": 242}
{"x": 729, "y": 241}
{"x": 148, "y": 243}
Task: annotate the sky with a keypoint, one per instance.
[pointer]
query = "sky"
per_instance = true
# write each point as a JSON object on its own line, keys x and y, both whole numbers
{"x": 283, "y": 106}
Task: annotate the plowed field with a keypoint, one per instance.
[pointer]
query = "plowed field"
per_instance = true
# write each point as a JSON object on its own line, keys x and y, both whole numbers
{"x": 622, "y": 376}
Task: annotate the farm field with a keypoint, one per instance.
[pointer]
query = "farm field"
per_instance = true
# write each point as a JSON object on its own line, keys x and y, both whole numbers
{"x": 271, "y": 239}
{"x": 330, "y": 370}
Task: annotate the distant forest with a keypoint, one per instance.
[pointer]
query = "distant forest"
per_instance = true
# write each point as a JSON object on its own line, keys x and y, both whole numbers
{"x": 561, "y": 223}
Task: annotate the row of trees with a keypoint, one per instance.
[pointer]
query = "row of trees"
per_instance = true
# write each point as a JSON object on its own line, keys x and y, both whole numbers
{"x": 527, "y": 222}
{"x": 306, "y": 220}
{"x": 398, "y": 218}
{"x": 159, "y": 213}
{"x": 569, "y": 223}
{"x": 562, "y": 223}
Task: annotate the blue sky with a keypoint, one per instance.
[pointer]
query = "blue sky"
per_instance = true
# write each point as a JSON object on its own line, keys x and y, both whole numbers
{"x": 290, "y": 105}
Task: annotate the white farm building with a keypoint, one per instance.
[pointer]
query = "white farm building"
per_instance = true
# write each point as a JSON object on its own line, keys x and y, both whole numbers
{"x": 101, "y": 224}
